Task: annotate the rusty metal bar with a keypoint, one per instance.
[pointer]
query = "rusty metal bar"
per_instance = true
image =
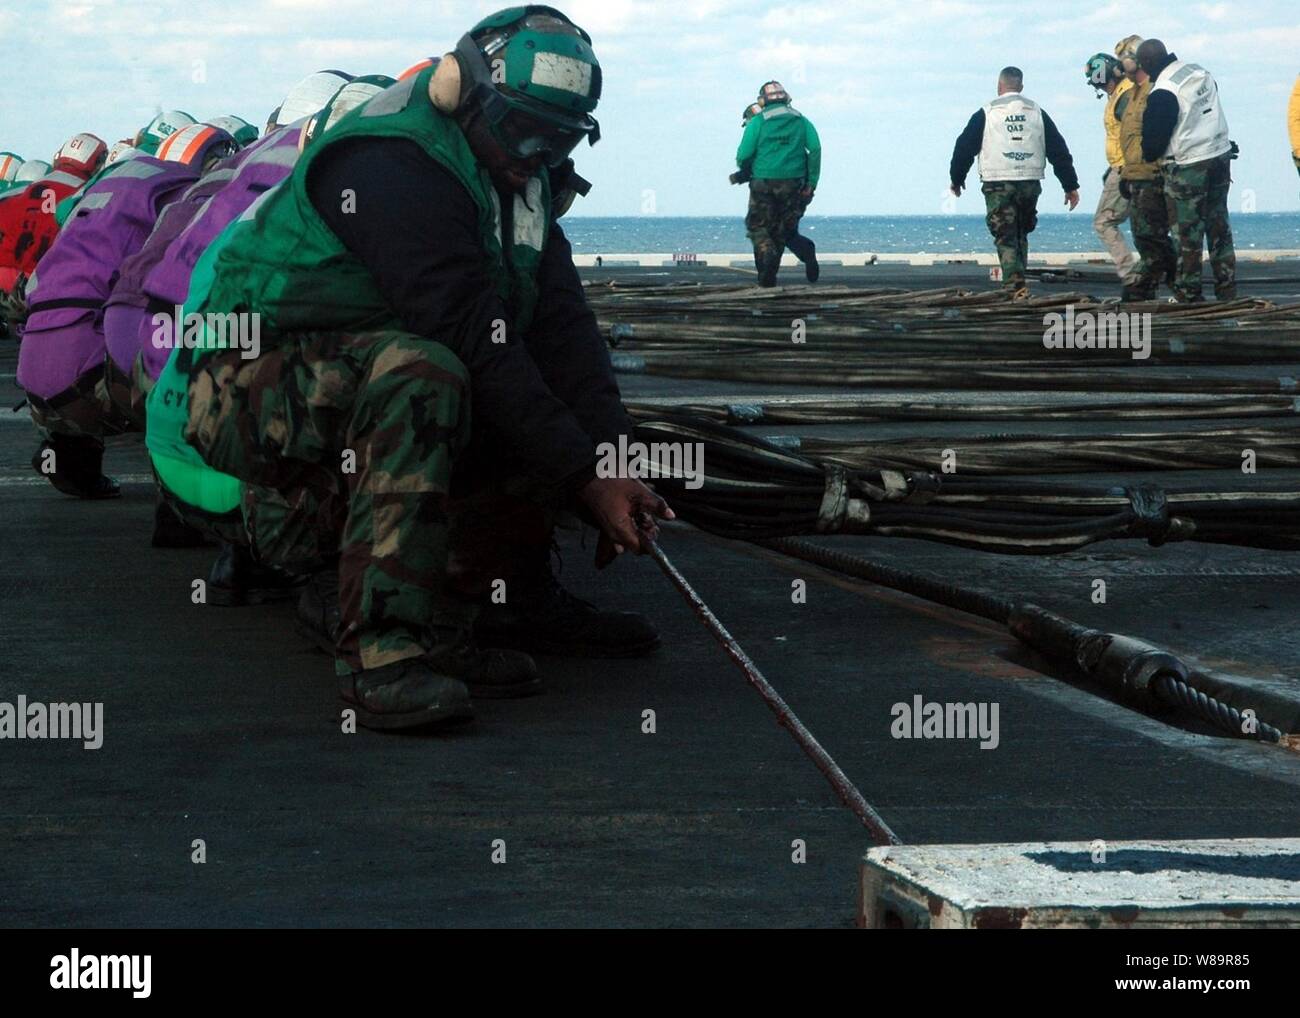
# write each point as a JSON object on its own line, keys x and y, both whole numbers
{"x": 880, "y": 832}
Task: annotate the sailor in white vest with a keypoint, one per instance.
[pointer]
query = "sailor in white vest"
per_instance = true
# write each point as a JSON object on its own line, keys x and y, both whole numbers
{"x": 1014, "y": 140}
{"x": 1185, "y": 131}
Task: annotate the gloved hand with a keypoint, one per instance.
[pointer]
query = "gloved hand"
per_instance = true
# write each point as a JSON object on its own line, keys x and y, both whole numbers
{"x": 1125, "y": 191}
{"x": 1234, "y": 151}
{"x": 806, "y": 194}
{"x": 735, "y": 177}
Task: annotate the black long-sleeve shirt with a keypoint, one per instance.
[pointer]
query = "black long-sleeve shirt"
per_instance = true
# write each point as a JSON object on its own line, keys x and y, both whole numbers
{"x": 551, "y": 393}
{"x": 1159, "y": 119}
{"x": 971, "y": 140}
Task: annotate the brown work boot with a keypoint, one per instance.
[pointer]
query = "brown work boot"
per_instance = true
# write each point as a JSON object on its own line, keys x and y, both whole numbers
{"x": 406, "y": 695}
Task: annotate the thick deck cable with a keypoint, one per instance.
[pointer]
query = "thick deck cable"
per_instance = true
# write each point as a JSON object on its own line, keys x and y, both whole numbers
{"x": 1168, "y": 688}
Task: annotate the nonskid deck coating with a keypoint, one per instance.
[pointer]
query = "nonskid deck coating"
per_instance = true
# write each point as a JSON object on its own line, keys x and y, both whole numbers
{"x": 222, "y": 725}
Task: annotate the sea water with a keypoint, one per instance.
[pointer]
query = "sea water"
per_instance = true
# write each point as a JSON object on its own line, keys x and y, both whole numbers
{"x": 884, "y": 234}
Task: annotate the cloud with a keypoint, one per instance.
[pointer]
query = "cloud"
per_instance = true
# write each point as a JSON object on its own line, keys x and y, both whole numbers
{"x": 888, "y": 84}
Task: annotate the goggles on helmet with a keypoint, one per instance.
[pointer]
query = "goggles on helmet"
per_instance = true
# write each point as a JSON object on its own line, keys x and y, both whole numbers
{"x": 524, "y": 127}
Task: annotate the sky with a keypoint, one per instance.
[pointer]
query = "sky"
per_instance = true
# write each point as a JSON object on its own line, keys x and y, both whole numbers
{"x": 889, "y": 84}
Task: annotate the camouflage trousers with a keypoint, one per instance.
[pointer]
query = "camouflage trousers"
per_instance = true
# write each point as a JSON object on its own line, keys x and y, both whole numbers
{"x": 352, "y": 437}
{"x": 1011, "y": 214}
{"x": 775, "y": 208}
{"x": 1198, "y": 197}
{"x": 127, "y": 393}
{"x": 83, "y": 410}
{"x": 358, "y": 449}
{"x": 1149, "y": 218}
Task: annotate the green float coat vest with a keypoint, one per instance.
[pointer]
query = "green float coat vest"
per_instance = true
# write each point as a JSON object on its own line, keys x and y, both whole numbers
{"x": 280, "y": 261}
{"x": 291, "y": 269}
{"x": 781, "y": 144}
{"x": 178, "y": 465}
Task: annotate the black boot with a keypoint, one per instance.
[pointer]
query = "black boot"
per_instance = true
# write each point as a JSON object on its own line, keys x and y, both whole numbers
{"x": 767, "y": 263}
{"x": 541, "y": 617}
{"x": 77, "y": 463}
{"x": 236, "y": 579}
{"x": 404, "y": 695}
{"x": 170, "y": 531}
{"x": 318, "y": 608}
{"x": 490, "y": 674}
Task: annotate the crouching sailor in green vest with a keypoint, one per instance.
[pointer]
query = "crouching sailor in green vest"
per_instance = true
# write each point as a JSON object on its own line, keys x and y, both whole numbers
{"x": 429, "y": 386}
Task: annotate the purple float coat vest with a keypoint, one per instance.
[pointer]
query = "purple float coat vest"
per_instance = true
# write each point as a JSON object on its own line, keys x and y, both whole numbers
{"x": 129, "y": 311}
{"x": 64, "y": 337}
{"x": 260, "y": 168}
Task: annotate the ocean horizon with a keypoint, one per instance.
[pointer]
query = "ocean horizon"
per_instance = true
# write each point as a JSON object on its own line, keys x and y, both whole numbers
{"x": 920, "y": 234}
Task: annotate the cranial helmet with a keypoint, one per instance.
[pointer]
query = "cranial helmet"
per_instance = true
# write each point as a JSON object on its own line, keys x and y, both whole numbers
{"x": 197, "y": 145}
{"x": 121, "y": 150}
{"x": 154, "y": 133}
{"x": 308, "y": 97}
{"x": 81, "y": 155}
{"x": 416, "y": 68}
{"x": 33, "y": 169}
{"x": 1100, "y": 69}
{"x": 238, "y": 128}
{"x": 1126, "y": 50}
{"x": 345, "y": 100}
{"x": 773, "y": 92}
{"x": 751, "y": 111}
{"x": 532, "y": 76}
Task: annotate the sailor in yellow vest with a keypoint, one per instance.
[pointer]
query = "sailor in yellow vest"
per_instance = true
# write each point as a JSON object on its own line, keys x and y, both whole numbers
{"x": 1142, "y": 184}
{"x": 1104, "y": 73}
{"x": 1293, "y": 122}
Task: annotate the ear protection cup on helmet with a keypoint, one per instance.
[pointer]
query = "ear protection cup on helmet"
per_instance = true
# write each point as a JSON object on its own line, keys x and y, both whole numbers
{"x": 446, "y": 87}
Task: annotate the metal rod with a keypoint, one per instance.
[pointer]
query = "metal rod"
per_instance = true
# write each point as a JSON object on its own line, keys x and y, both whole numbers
{"x": 844, "y": 788}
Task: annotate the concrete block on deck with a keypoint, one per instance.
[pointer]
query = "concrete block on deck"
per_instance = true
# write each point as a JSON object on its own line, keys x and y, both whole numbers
{"x": 1084, "y": 885}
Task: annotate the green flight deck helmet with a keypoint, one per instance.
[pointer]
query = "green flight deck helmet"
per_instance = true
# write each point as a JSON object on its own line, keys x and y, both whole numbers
{"x": 238, "y": 128}
{"x": 1100, "y": 69}
{"x": 159, "y": 129}
{"x": 531, "y": 73}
